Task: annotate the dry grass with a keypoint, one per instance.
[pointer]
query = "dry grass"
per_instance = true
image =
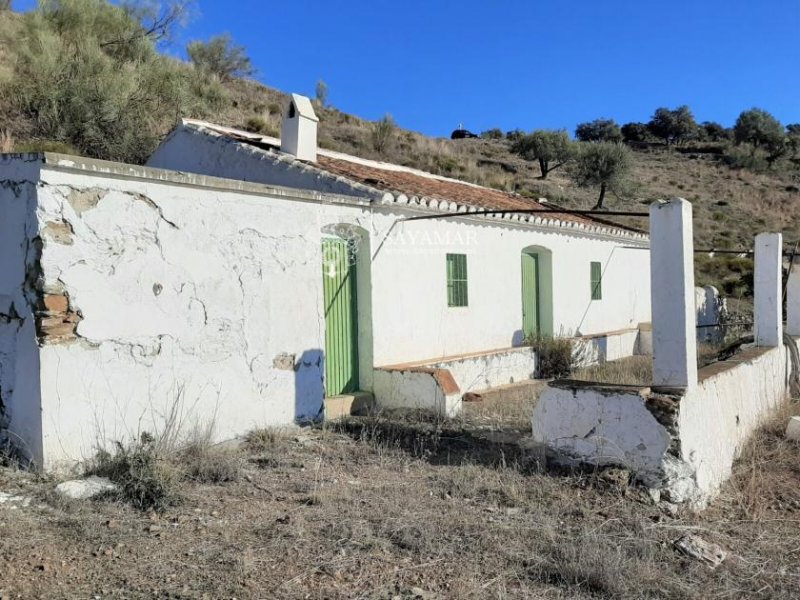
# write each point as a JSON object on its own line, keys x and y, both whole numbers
{"x": 386, "y": 512}
{"x": 634, "y": 370}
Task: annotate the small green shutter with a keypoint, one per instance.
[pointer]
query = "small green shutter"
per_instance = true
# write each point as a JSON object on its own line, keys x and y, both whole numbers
{"x": 597, "y": 281}
{"x": 341, "y": 335}
{"x": 457, "y": 280}
{"x": 530, "y": 294}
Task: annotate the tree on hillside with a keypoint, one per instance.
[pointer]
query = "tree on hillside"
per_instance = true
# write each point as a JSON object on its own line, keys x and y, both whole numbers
{"x": 603, "y": 164}
{"x": 221, "y": 57}
{"x": 673, "y": 126}
{"x": 5, "y": 4}
{"x": 551, "y": 148}
{"x": 599, "y": 130}
{"x": 762, "y": 131}
{"x": 88, "y": 74}
{"x": 635, "y": 132}
{"x": 714, "y": 132}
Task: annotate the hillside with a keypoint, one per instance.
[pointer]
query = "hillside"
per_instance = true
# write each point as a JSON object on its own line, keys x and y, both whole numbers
{"x": 731, "y": 205}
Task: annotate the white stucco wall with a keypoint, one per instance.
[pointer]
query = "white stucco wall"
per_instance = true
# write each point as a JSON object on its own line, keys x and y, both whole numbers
{"x": 191, "y": 299}
{"x": 710, "y": 423}
{"x": 602, "y": 427}
{"x": 480, "y": 372}
{"x": 194, "y": 291}
{"x": 411, "y": 319}
{"x": 416, "y": 389}
{"x": 718, "y": 417}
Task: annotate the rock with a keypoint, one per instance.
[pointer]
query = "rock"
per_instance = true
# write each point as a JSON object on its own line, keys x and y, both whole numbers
{"x": 14, "y": 501}
{"x": 793, "y": 429}
{"x": 697, "y": 547}
{"x": 83, "y": 489}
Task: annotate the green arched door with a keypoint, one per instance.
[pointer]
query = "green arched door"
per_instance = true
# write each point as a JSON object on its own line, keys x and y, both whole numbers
{"x": 340, "y": 301}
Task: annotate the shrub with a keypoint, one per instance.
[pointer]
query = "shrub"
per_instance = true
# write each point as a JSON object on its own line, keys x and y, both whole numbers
{"x": 205, "y": 463}
{"x": 221, "y": 57}
{"x": 257, "y": 125}
{"x": 492, "y": 134}
{"x": 553, "y": 356}
{"x": 145, "y": 478}
{"x": 88, "y": 74}
{"x": 321, "y": 93}
{"x": 382, "y": 133}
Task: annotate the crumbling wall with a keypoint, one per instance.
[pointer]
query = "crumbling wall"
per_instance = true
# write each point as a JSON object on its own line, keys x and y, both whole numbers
{"x": 160, "y": 299}
{"x": 681, "y": 443}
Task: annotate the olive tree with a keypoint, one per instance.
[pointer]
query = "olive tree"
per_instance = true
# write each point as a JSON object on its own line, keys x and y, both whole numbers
{"x": 673, "y": 126}
{"x": 599, "y": 130}
{"x": 551, "y": 148}
{"x": 599, "y": 164}
{"x": 635, "y": 132}
{"x": 762, "y": 131}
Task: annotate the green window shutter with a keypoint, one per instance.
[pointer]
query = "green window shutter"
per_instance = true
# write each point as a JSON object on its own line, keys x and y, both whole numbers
{"x": 597, "y": 281}
{"x": 457, "y": 280}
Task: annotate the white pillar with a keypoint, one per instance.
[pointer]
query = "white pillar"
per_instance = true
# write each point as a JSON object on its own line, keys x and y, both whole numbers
{"x": 672, "y": 294}
{"x": 793, "y": 300}
{"x": 767, "y": 303}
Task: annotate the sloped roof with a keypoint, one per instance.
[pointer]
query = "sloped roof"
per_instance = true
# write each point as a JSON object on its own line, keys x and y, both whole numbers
{"x": 406, "y": 185}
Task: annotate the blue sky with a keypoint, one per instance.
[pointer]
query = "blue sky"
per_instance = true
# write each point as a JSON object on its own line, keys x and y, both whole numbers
{"x": 513, "y": 63}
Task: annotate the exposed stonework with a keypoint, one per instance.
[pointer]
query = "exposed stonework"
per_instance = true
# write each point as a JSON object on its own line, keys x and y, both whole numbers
{"x": 56, "y": 322}
{"x": 83, "y": 200}
{"x": 60, "y": 233}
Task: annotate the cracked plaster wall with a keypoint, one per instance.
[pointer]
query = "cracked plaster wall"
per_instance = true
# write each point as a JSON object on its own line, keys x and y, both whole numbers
{"x": 202, "y": 300}
{"x": 682, "y": 445}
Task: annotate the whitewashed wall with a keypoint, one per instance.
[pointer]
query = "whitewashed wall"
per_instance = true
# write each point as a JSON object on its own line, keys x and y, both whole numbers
{"x": 683, "y": 444}
{"x": 192, "y": 297}
{"x": 411, "y": 319}
{"x": 204, "y": 296}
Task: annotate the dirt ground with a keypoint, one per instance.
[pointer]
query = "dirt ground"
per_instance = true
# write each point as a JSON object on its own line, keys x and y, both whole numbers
{"x": 401, "y": 509}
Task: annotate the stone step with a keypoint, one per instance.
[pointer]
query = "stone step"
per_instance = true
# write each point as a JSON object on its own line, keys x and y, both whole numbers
{"x": 345, "y": 405}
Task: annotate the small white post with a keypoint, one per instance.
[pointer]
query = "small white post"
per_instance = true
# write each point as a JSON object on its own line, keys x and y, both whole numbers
{"x": 672, "y": 294}
{"x": 767, "y": 303}
{"x": 793, "y": 301}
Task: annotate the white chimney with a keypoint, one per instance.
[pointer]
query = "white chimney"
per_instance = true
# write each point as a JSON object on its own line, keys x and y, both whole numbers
{"x": 299, "y": 129}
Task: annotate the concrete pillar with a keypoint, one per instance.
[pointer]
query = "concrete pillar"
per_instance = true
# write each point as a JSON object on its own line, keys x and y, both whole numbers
{"x": 767, "y": 303}
{"x": 793, "y": 300}
{"x": 672, "y": 294}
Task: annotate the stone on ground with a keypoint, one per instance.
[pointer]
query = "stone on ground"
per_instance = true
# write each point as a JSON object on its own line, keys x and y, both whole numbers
{"x": 697, "y": 547}
{"x": 793, "y": 429}
{"x": 83, "y": 489}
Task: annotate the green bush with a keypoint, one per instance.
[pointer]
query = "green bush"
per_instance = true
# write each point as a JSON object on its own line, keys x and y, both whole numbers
{"x": 221, "y": 57}
{"x": 88, "y": 74}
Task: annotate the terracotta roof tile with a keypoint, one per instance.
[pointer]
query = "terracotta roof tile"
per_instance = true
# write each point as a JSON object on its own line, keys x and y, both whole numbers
{"x": 411, "y": 184}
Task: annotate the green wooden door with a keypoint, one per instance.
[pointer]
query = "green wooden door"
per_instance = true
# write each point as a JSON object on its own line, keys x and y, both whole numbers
{"x": 341, "y": 334}
{"x": 530, "y": 294}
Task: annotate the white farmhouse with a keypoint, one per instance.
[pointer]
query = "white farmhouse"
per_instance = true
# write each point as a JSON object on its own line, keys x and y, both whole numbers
{"x": 241, "y": 279}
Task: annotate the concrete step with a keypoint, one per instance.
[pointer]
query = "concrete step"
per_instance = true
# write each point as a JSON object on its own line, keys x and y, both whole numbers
{"x": 345, "y": 405}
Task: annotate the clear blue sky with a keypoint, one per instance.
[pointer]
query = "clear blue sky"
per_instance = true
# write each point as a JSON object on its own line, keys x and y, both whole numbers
{"x": 515, "y": 63}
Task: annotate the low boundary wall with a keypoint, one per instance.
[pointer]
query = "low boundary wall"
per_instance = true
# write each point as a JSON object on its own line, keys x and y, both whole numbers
{"x": 681, "y": 443}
